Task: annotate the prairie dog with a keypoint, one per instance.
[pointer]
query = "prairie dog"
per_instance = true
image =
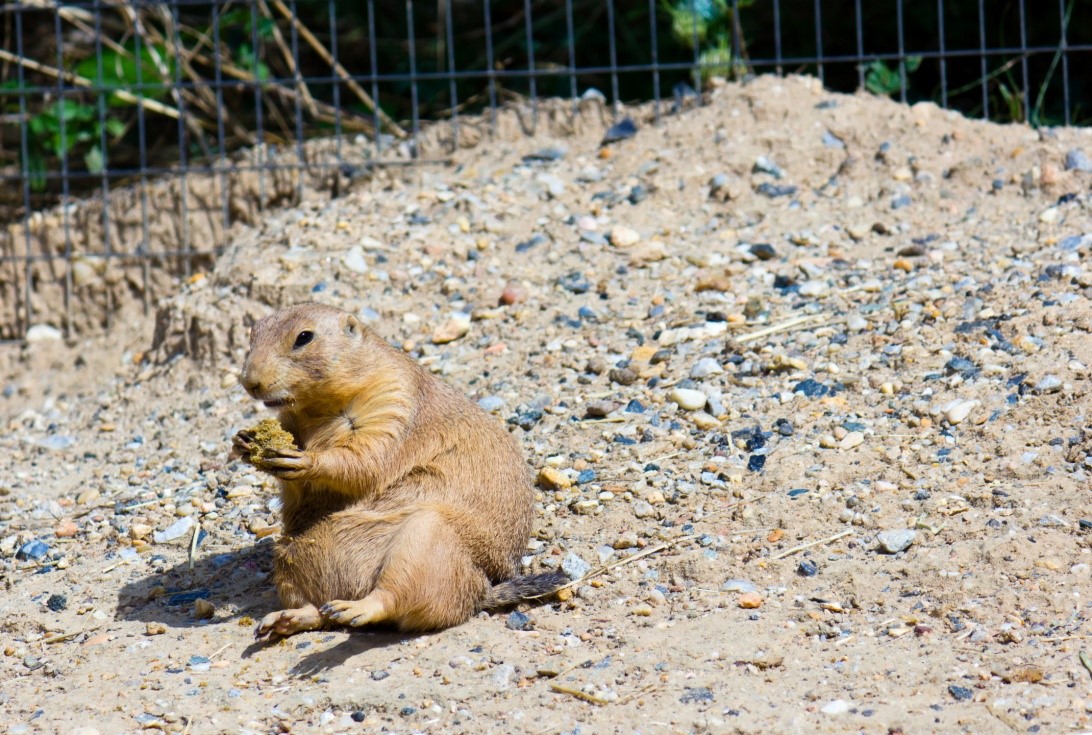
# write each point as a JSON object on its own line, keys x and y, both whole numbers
{"x": 404, "y": 504}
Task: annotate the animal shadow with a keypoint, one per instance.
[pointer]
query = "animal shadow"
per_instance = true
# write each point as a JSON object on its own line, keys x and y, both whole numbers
{"x": 239, "y": 585}
{"x": 236, "y": 582}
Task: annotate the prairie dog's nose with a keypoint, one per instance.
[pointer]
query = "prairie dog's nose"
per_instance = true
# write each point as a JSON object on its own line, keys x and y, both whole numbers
{"x": 250, "y": 382}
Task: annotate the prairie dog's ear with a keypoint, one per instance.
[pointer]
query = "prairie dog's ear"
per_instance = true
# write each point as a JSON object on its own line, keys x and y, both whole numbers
{"x": 352, "y": 326}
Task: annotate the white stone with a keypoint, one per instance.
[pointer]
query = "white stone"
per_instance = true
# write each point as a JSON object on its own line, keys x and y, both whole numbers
{"x": 896, "y": 540}
{"x": 688, "y": 398}
{"x": 837, "y": 707}
{"x": 705, "y": 367}
{"x": 43, "y": 333}
{"x": 956, "y": 411}
{"x": 852, "y": 439}
{"x": 624, "y": 237}
{"x": 354, "y": 260}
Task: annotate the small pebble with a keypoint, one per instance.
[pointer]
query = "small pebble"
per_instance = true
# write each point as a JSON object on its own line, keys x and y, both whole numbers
{"x": 574, "y": 567}
{"x": 894, "y": 541}
{"x": 621, "y": 130}
{"x": 960, "y": 694}
{"x": 519, "y": 621}
{"x": 57, "y": 602}
{"x": 491, "y": 403}
{"x": 837, "y": 707}
{"x": 553, "y": 479}
{"x": 513, "y": 293}
{"x": 750, "y": 600}
{"x": 1078, "y": 160}
{"x": 956, "y": 411}
{"x": 1048, "y": 384}
{"x": 688, "y": 399}
{"x": 66, "y": 529}
{"x": 763, "y": 251}
{"x": 739, "y": 585}
{"x": 705, "y": 367}
{"x": 177, "y": 530}
{"x": 32, "y": 550}
{"x": 807, "y": 568}
{"x": 452, "y": 329}
{"x": 624, "y": 237}
{"x": 203, "y": 609}
{"x": 764, "y": 165}
{"x": 851, "y": 440}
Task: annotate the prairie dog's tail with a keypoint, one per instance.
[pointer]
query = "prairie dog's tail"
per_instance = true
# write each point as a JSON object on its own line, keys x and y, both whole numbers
{"x": 523, "y": 588}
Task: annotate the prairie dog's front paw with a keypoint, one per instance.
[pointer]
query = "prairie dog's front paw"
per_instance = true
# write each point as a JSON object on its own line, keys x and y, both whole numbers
{"x": 288, "y": 464}
{"x": 242, "y": 444}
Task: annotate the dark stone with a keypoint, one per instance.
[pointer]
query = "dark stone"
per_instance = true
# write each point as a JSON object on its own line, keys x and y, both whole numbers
{"x": 763, "y": 251}
{"x": 519, "y": 621}
{"x": 574, "y": 282}
{"x": 660, "y": 356}
{"x": 696, "y": 695}
{"x": 623, "y": 376}
{"x": 358, "y": 716}
{"x": 774, "y": 191}
{"x": 811, "y": 388}
{"x": 807, "y": 568}
{"x": 756, "y": 462}
{"x": 553, "y": 153}
{"x": 380, "y": 675}
{"x": 960, "y": 694}
{"x": 785, "y": 284}
{"x": 585, "y": 476}
{"x": 32, "y": 550}
{"x": 621, "y": 130}
{"x": 796, "y": 492}
{"x": 536, "y": 239}
{"x": 638, "y": 194}
{"x": 962, "y": 366}
{"x": 56, "y": 603}
{"x": 634, "y": 406}
{"x": 187, "y": 598}
{"x": 900, "y": 201}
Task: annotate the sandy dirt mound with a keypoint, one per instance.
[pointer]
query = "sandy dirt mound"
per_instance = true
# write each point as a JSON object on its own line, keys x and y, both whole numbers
{"x": 805, "y": 378}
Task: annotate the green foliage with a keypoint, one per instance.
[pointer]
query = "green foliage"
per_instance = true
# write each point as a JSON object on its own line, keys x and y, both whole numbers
{"x": 239, "y": 27}
{"x": 883, "y": 80}
{"x": 709, "y": 23}
{"x": 126, "y": 70}
{"x": 65, "y": 128}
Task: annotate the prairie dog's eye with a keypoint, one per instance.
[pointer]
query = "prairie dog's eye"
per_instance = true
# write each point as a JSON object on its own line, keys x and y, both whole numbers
{"x": 303, "y": 338}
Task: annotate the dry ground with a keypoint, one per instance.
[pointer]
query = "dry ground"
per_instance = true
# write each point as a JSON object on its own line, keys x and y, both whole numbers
{"x": 900, "y": 344}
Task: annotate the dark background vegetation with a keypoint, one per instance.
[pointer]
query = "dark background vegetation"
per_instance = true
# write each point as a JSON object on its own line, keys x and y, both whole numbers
{"x": 227, "y": 70}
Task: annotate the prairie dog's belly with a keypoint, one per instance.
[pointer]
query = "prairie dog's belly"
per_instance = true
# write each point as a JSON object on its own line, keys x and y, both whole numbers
{"x": 337, "y": 557}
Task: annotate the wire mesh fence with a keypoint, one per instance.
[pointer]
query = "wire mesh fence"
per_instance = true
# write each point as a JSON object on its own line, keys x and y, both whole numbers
{"x": 135, "y": 134}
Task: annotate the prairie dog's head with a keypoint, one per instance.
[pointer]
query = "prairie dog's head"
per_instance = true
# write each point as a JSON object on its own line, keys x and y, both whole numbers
{"x": 295, "y": 354}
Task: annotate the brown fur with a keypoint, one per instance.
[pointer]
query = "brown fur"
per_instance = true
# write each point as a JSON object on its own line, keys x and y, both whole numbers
{"x": 405, "y": 503}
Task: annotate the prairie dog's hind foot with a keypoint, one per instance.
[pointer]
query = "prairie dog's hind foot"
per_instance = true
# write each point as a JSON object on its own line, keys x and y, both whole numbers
{"x": 284, "y": 623}
{"x": 374, "y": 608}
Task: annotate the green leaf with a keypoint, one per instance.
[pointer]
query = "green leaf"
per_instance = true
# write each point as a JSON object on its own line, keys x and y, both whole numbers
{"x": 34, "y": 169}
{"x": 881, "y": 80}
{"x": 123, "y": 71}
{"x": 686, "y": 24}
{"x": 114, "y": 127}
{"x": 93, "y": 159}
